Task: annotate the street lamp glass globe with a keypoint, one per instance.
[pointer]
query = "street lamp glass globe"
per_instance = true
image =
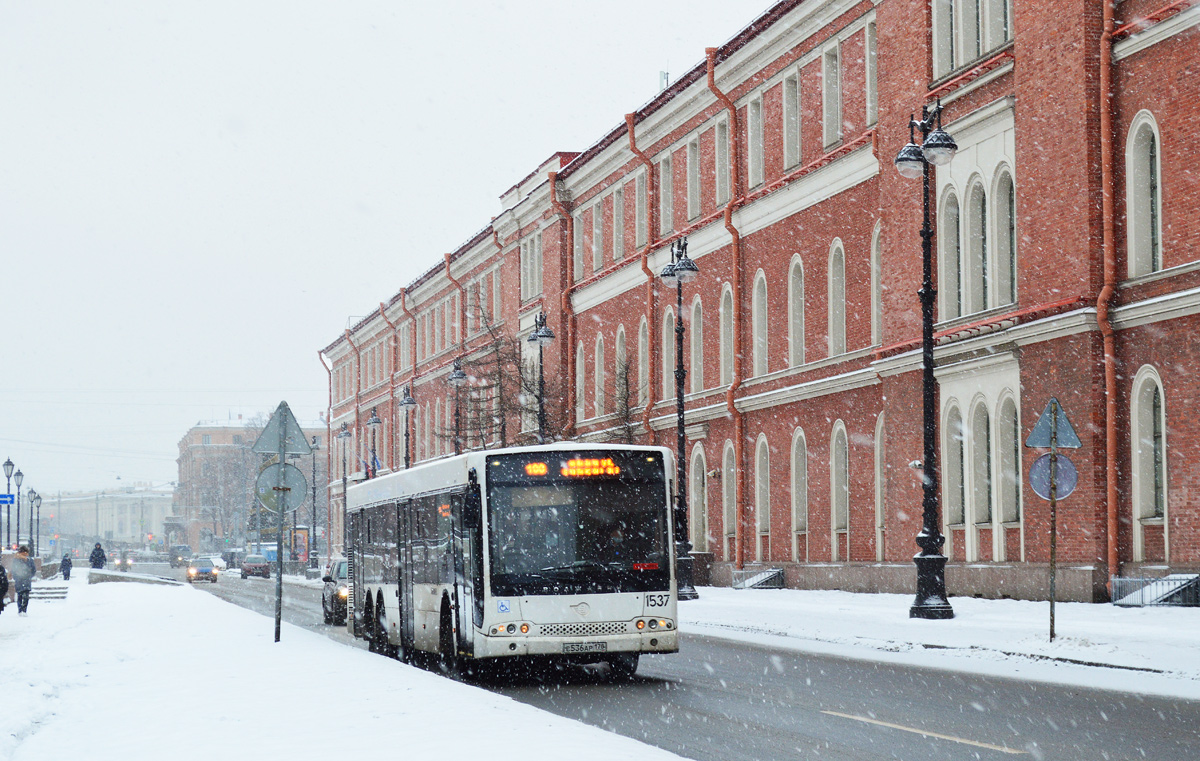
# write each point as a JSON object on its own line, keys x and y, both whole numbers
{"x": 542, "y": 336}
{"x": 8, "y": 468}
{"x": 939, "y": 147}
{"x": 374, "y": 421}
{"x": 18, "y": 477}
{"x": 668, "y": 275}
{"x": 686, "y": 270}
{"x": 407, "y": 401}
{"x": 910, "y": 162}
{"x": 457, "y": 376}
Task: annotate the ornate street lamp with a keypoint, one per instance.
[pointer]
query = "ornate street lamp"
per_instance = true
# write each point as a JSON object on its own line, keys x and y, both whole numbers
{"x": 313, "y": 560}
{"x": 542, "y": 336}
{"x": 8, "y": 471}
{"x": 681, "y": 270}
{"x": 37, "y": 537}
{"x": 32, "y": 498}
{"x": 373, "y": 423}
{"x": 408, "y": 404}
{"x": 937, "y": 148}
{"x": 18, "y": 477}
{"x": 457, "y": 380}
{"x": 342, "y": 436}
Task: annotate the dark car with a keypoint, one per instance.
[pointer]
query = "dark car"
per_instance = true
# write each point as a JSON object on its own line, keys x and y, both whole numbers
{"x": 335, "y": 594}
{"x": 180, "y": 555}
{"x": 201, "y": 569}
{"x": 256, "y": 565}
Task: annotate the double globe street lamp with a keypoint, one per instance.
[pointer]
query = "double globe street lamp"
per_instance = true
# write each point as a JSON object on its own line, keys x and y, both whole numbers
{"x": 680, "y": 270}
{"x": 937, "y": 148}
{"x": 408, "y": 404}
{"x": 457, "y": 380}
{"x": 8, "y": 471}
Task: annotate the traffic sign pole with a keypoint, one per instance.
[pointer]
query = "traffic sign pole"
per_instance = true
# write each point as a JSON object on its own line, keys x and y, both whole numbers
{"x": 1053, "y": 509}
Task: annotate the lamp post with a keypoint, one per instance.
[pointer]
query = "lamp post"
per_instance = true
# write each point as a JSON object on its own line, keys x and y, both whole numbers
{"x": 542, "y": 336}
{"x": 313, "y": 560}
{"x": 457, "y": 380}
{"x": 8, "y": 471}
{"x": 373, "y": 422}
{"x": 37, "y": 537}
{"x": 681, "y": 270}
{"x": 408, "y": 404}
{"x": 913, "y": 161}
{"x": 18, "y": 477}
{"x": 30, "y": 495}
{"x": 343, "y": 435}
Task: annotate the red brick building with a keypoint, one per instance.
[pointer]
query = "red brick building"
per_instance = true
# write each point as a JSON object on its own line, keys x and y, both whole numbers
{"x": 1065, "y": 266}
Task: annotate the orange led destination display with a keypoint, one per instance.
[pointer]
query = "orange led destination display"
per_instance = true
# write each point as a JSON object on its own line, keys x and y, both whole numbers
{"x": 536, "y": 469}
{"x": 591, "y": 467}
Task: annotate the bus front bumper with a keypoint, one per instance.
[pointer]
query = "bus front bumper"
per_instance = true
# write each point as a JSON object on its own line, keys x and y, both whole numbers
{"x": 661, "y": 641}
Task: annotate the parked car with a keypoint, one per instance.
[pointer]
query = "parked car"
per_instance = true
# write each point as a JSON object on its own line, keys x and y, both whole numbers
{"x": 256, "y": 565}
{"x": 201, "y": 569}
{"x": 335, "y": 593}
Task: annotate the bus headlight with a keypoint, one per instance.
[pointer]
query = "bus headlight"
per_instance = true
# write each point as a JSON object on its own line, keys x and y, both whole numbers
{"x": 653, "y": 624}
{"x": 641, "y": 624}
{"x": 524, "y": 628}
{"x": 343, "y": 591}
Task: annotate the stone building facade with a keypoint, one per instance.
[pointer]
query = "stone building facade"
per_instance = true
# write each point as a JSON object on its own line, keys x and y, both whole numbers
{"x": 1065, "y": 267}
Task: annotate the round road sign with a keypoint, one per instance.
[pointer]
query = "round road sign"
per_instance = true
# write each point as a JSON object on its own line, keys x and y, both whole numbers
{"x": 293, "y": 493}
{"x": 1039, "y": 477}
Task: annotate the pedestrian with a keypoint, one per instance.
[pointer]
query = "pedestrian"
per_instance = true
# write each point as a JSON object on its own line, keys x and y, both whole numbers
{"x": 22, "y": 573}
{"x": 98, "y": 558}
{"x": 66, "y": 567}
{"x": 3, "y": 586}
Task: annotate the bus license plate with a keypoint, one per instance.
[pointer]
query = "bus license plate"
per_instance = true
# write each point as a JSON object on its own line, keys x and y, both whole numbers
{"x": 585, "y": 647}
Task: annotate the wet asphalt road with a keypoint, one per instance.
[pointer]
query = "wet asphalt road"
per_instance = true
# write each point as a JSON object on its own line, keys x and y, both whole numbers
{"x": 719, "y": 700}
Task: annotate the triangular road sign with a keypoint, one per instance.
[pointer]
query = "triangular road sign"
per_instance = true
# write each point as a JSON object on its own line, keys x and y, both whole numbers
{"x": 1040, "y": 438}
{"x": 294, "y": 440}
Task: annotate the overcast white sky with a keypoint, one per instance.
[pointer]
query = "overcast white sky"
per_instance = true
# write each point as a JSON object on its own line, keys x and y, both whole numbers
{"x": 195, "y": 196}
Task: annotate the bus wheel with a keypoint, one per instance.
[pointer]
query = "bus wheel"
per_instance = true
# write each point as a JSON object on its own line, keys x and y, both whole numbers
{"x": 622, "y": 666}
{"x": 380, "y": 631}
{"x": 447, "y": 649}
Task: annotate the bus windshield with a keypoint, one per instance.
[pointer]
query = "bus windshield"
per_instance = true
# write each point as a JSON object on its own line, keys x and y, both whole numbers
{"x": 572, "y": 524}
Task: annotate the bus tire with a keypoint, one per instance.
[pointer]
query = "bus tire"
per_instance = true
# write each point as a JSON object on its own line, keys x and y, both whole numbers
{"x": 383, "y": 646}
{"x": 622, "y": 666}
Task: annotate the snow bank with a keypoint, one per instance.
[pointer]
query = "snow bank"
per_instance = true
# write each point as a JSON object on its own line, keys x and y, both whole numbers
{"x": 133, "y": 672}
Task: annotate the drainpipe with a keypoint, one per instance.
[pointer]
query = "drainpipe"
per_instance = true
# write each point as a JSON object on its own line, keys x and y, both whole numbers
{"x": 735, "y": 200}
{"x": 652, "y": 226}
{"x": 357, "y": 387}
{"x": 1103, "y": 304}
{"x": 462, "y": 306}
{"x": 412, "y": 354}
{"x": 391, "y": 382}
{"x": 567, "y": 310}
{"x": 328, "y": 461}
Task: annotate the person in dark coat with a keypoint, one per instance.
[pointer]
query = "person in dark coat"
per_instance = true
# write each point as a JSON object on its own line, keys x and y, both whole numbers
{"x": 3, "y": 586}
{"x": 23, "y": 571}
{"x": 98, "y": 558}
{"x": 66, "y": 567}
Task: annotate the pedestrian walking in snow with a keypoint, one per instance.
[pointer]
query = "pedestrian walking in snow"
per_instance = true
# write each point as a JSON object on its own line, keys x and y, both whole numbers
{"x": 22, "y": 574}
{"x": 98, "y": 558}
{"x": 66, "y": 567}
{"x": 3, "y": 586}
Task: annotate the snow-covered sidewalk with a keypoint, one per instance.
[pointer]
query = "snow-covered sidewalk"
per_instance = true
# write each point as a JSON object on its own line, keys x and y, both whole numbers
{"x": 144, "y": 672}
{"x": 1153, "y": 650}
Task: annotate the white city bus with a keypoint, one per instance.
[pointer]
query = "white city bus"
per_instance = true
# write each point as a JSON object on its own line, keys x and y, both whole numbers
{"x": 564, "y": 550}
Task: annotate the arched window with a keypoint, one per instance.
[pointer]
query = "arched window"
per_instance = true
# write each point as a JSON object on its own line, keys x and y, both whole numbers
{"x": 880, "y": 488}
{"x": 977, "y": 251}
{"x": 1143, "y": 196}
{"x": 953, "y": 482}
{"x": 839, "y": 492}
{"x": 698, "y": 500}
{"x": 981, "y": 466}
{"x": 601, "y": 376}
{"x": 837, "y": 299}
{"x": 1148, "y": 425}
{"x": 726, "y": 315}
{"x": 1008, "y": 449}
{"x": 1005, "y": 201}
{"x": 643, "y": 376}
{"x": 439, "y": 444}
{"x": 950, "y": 280}
{"x": 796, "y": 313}
{"x": 758, "y": 308}
{"x": 729, "y": 498}
{"x": 580, "y": 373}
{"x": 877, "y": 285}
{"x": 622, "y": 385}
{"x": 697, "y": 369}
{"x": 799, "y": 497}
{"x": 762, "y": 497}
{"x": 668, "y": 355}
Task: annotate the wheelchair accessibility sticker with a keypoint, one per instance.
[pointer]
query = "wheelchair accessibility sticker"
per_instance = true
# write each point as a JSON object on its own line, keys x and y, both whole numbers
{"x": 502, "y": 606}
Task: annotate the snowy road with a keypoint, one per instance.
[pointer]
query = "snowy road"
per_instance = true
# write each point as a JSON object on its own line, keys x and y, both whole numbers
{"x": 719, "y": 700}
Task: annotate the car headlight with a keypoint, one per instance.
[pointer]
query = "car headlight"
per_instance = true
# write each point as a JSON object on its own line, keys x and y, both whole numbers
{"x": 343, "y": 592}
{"x": 191, "y": 572}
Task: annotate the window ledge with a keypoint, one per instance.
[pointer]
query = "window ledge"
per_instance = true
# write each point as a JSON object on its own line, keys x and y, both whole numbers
{"x": 1155, "y": 521}
{"x": 1163, "y": 274}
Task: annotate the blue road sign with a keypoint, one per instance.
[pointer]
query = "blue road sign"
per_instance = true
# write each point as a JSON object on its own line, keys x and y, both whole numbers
{"x": 1067, "y": 477}
{"x": 7, "y": 499}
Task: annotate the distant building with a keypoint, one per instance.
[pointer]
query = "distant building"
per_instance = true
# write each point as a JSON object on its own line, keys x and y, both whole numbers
{"x": 132, "y": 517}
{"x": 214, "y": 504}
